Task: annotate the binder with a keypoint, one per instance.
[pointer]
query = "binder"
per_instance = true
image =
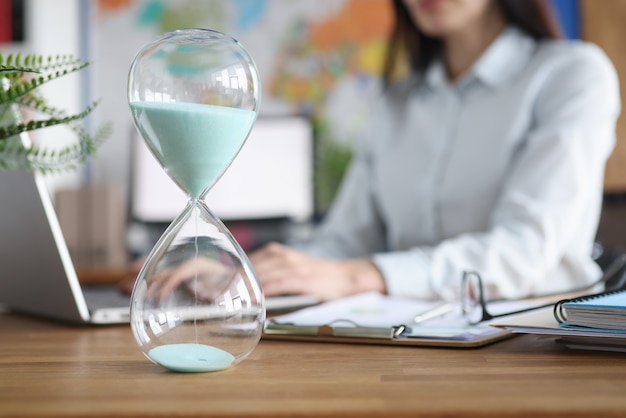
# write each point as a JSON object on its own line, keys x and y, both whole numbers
{"x": 600, "y": 311}
{"x": 386, "y": 321}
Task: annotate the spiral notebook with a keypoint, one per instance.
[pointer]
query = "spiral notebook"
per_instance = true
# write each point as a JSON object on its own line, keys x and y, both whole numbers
{"x": 602, "y": 311}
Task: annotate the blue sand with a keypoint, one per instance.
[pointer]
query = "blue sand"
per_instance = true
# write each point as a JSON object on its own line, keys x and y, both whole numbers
{"x": 191, "y": 357}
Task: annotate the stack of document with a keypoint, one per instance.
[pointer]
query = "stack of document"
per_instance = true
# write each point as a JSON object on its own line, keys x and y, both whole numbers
{"x": 544, "y": 322}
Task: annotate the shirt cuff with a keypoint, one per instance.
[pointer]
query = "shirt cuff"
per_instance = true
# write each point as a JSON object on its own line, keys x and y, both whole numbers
{"x": 405, "y": 274}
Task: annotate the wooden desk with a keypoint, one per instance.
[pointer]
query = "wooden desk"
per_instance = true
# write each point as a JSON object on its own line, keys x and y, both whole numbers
{"x": 52, "y": 370}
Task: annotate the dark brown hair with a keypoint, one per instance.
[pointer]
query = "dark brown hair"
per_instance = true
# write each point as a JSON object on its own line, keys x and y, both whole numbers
{"x": 535, "y": 17}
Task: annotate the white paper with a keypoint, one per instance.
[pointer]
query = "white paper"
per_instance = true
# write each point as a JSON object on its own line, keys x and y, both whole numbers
{"x": 366, "y": 310}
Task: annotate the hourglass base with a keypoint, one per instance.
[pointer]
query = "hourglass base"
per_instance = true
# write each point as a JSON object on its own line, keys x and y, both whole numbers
{"x": 191, "y": 357}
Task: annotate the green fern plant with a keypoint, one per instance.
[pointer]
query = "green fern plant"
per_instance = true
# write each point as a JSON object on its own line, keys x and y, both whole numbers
{"x": 23, "y": 109}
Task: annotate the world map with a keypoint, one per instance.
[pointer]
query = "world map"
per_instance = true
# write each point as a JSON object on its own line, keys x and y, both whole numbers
{"x": 313, "y": 56}
{"x": 321, "y": 59}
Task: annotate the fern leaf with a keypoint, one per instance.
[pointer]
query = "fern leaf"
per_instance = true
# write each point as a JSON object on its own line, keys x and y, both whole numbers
{"x": 20, "y": 78}
{"x": 15, "y": 129}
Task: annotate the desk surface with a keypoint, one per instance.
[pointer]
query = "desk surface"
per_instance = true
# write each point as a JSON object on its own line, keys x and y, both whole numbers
{"x": 52, "y": 370}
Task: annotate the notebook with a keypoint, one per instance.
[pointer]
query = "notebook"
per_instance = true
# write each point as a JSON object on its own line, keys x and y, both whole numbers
{"x": 603, "y": 311}
{"x": 38, "y": 275}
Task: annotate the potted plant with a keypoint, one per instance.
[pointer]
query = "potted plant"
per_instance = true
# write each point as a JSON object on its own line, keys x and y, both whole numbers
{"x": 23, "y": 109}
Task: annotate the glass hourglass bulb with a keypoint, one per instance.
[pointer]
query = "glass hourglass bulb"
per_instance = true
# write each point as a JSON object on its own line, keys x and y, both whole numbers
{"x": 196, "y": 305}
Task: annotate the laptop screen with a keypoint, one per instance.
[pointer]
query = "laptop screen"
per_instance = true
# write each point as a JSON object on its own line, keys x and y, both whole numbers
{"x": 271, "y": 177}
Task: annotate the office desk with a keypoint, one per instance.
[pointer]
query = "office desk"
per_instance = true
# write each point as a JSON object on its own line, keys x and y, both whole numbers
{"x": 53, "y": 370}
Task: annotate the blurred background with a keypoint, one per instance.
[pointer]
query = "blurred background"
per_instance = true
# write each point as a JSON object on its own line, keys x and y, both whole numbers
{"x": 319, "y": 63}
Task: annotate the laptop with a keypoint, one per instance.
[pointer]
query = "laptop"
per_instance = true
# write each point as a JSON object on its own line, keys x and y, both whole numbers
{"x": 38, "y": 276}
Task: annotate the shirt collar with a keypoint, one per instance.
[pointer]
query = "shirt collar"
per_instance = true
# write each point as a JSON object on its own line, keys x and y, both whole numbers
{"x": 502, "y": 61}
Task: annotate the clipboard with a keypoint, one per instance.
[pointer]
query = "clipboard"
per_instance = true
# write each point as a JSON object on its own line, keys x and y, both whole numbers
{"x": 396, "y": 335}
{"x": 311, "y": 325}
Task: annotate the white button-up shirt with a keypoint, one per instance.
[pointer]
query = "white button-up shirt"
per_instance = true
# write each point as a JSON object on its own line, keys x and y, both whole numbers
{"x": 500, "y": 172}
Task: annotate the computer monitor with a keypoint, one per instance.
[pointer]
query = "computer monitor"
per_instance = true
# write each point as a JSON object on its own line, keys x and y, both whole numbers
{"x": 271, "y": 177}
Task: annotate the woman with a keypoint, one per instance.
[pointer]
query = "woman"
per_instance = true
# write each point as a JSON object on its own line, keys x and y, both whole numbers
{"x": 488, "y": 156}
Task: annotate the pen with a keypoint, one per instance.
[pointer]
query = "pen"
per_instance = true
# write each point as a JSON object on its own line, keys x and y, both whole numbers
{"x": 432, "y": 313}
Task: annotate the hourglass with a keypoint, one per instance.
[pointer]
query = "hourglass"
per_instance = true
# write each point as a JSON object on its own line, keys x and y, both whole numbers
{"x": 196, "y": 305}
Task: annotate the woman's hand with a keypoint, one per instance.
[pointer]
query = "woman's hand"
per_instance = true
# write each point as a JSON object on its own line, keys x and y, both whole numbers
{"x": 283, "y": 270}
{"x": 203, "y": 277}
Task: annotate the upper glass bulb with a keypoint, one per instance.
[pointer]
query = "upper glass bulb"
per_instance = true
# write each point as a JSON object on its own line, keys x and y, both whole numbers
{"x": 194, "y": 95}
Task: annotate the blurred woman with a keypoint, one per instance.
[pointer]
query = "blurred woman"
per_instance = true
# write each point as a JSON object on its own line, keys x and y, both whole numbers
{"x": 488, "y": 154}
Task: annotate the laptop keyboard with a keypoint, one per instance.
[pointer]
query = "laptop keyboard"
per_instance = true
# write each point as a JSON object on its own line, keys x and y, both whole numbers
{"x": 99, "y": 297}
